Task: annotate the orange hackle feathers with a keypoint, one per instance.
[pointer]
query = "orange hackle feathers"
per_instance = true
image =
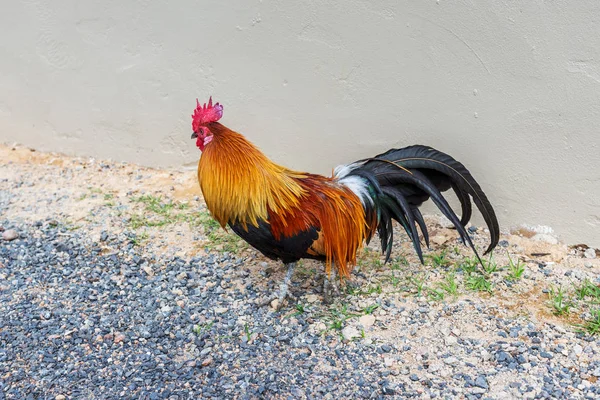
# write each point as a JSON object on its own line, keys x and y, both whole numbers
{"x": 242, "y": 186}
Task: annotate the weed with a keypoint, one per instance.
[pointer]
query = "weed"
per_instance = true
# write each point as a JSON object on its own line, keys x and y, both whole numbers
{"x": 203, "y": 328}
{"x": 490, "y": 266}
{"x": 439, "y": 260}
{"x": 247, "y": 332}
{"x": 588, "y": 290}
{"x": 137, "y": 240}
{"x": 435, "y": 294}
{"x": 561, "y": 306}
{"x": 338, "y": 316}
{"x": 419, "y": 283}
{"x": 591, "y": 326}
{"x": 469, "y": 265}
{"x": 449, "y": 285}
{"x": 478, "y": 283}
{"x": 370, "y": 309}
{"x": 515, "y": 270}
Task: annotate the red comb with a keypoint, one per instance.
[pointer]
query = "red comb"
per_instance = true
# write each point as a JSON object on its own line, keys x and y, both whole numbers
{"x": 206, "y": 113}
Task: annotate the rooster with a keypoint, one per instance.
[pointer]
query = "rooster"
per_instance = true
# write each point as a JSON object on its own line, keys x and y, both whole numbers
{"x": 289, "y": 215}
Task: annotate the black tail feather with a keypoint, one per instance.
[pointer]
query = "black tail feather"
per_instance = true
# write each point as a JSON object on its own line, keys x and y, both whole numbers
{"x": 404, "y": 178}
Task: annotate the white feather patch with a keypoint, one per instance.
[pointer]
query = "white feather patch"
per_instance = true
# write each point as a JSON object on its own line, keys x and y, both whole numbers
{"x": 359, "y": 187}
{"x": 343, "y": 170}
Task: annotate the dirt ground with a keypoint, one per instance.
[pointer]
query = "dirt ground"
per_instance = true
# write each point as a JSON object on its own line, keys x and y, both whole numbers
{"x": 164, "y": 209}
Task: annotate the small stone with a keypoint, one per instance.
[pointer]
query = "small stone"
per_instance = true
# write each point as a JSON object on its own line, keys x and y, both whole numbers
{"x": 589, "y": 253}
{"x": 414, "y": 377}
{"x": 119, "y": 337}
{"x": 312, "y": 298}
{"x": 367, "y": 320}
{"x": 481, "y": 382}
{"x": 350, "y": 333}
{"x": 274, "y": 305}
{"x": 9, "y": 235}
{"x": 386, "y": 348}
{"x": 451, "y": 360}
{"x": 544, "y": 237}
{"x": 148, "y": 270}
{"x": 205, "y": 351}
{"x": 388, "y": 361}
{"x": 451, "y": 341}
{"x": 60, "y": 397}
{"x": 207, "y": 362}
{"x": 545, "y": 354}
{"x": 387, "y": 391}
{"x": 439, "y": 239}
{"x": 223, "y": 310}
{"x": 577, "y": 349}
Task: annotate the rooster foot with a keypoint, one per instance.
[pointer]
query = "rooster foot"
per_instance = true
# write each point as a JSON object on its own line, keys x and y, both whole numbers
{"x": 330, "y": 287}
{"x": 284, "y": 291}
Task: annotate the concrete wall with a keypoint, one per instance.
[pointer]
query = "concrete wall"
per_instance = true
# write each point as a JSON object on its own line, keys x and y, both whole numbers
{"x": 511, "y": 88}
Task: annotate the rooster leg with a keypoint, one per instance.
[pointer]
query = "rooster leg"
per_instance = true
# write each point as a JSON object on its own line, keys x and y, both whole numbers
{"x": 283, "y": 288}
{"x": 330, "y": 286}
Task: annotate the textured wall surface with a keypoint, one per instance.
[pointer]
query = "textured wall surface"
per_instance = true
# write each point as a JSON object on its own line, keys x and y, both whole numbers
{"x": 512, "y": 89}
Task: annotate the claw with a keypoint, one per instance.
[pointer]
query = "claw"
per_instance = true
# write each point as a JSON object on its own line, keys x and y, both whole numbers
{"x": 330, "y": 287}
{"x": 283, "y": 290}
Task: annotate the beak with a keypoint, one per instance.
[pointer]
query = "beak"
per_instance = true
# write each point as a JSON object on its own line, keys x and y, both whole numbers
{"x": 194, "y": 135}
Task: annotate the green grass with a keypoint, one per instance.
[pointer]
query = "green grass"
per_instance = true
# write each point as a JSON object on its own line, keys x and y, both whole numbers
{"x": 469, "y": 266}
{"x": 299, "y": 310}
{"x": 247, "y": 332}
{"x": 370, "y": 309}
{"x": 449, "y": 285}
{"x": 435, "y": 294}
{"x": 588, "y": 291}
{"x": 515, "y": 270}
{"x": 592, "y": 325}
{"x": 159, "y": 212}
{"x": 200, "y": 329}
{"x": 560, "y": 304}
{"x": 478, "y": 283}
{"x": 338, "y": 315}
{"x": 137, "y": 240}
{"x": 418, "y": 284}
{"x": 490, "y": 266}
{"x": 439, "y": 260}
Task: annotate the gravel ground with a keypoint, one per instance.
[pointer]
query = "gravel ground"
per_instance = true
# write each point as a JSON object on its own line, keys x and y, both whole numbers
{"x": 113, "y": 284}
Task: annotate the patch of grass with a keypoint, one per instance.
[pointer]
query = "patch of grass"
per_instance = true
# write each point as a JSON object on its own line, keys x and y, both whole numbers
{"x": 299, "y": 310}
{"x": 515, "y": 270}
{"x": 588, "y": 291}
{"x": 449, "y": 285}
{"x": 418, "y": 283}
{"x": 478, "y": 283}
{"x": 439, "y": 260}
{"x": 338, "y": 316}
{"x": 370, "y": 309}
{"x": 592, "y": 325}
{"x": 217, "y": 237}
{"x": 560, "y": 304}
{"x": 435, "y": 294}
{"x": 137, "y": 240}
{"x": 247, "y": 332}
{"x": 200, "y": 329}
{"x": 490, "y": 266}
{"x": 469, "y": 266}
